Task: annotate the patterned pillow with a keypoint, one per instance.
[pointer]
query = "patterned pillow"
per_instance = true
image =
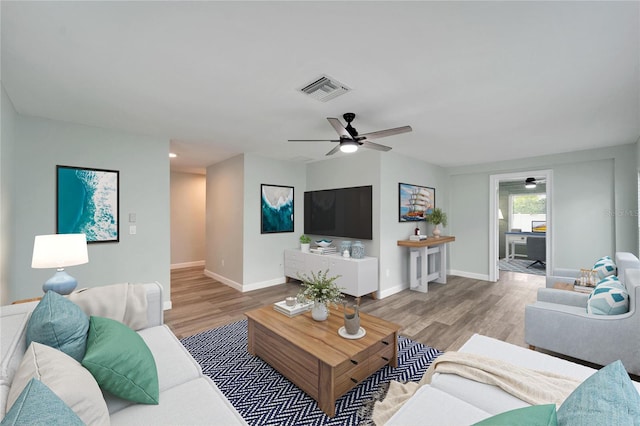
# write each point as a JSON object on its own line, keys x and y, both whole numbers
{"x": 608, "y": 298}
{"x": 605, "y": 267}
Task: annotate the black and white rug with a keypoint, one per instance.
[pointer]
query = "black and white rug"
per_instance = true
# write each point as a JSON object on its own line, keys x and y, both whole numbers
{"x": 522, "y": 266}
{"x": 264, "y": 397}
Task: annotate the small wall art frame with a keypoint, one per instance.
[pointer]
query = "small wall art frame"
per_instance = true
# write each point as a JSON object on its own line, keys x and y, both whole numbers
{"x": 88, "y": 202}
{"x": 276, "y": 209}
{"x": 415, "y": 202}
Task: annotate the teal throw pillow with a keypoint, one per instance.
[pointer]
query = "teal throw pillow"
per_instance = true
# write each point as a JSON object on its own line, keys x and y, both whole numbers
{"x": 536, "y": 415}
{"x": 606, "y": 398}
{"x": 38, "y": 405}
{"x": 608, "y": 298}
{"x": 121, "y": 361}
{"x": 59, "y": 323}
{"x": 605, "y": 267}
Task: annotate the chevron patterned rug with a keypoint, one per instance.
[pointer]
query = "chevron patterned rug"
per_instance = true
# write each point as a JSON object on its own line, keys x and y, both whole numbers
{"x": 264, "y": 397}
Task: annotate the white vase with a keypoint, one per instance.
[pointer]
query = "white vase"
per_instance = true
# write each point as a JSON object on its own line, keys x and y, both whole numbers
{"x": 319, "y": 312}
{"x": 305, "y": 247}
{"x": 436, "y": 231}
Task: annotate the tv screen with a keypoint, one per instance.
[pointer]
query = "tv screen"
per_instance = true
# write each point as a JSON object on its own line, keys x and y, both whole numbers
{"x": 538, "y": 226}
{"x": 343, "y": 212}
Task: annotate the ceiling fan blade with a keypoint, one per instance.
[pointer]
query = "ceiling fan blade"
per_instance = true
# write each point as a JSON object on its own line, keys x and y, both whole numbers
{"x": 334, "y": 150}
{"x": 312, "y": 140}
{"x": 337, "y": 125}
{"x": 375, "y": 146}
{"x": 384, "y": 133}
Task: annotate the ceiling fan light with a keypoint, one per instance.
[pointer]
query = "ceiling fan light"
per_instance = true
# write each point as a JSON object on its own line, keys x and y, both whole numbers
{"x": 530, "y": 183}
{"x": 348, "y": 146}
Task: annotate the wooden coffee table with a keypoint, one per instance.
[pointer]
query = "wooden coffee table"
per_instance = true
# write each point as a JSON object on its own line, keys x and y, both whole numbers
{"x": 314, "y": 357}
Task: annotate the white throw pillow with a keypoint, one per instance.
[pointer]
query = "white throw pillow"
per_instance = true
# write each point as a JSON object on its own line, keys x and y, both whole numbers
{"x": 69, "y": 380}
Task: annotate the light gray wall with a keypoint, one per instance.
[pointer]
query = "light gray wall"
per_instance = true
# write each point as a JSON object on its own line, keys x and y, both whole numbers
{"x": 7, "y": 137}
{"x": 143, "y": 164}
{"x": 264, "y": 253}
{"x": 602, "y": 181}
{"x": 384, "y": 171}
{"x": 225, "y": 221}
{"x": 188, "y": 213}
{"x": 394, "y": 260}
{"x": 359, "y": 169}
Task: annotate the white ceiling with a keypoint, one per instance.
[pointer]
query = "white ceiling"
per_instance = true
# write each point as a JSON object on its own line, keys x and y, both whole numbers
{"x": 477, "y": 81}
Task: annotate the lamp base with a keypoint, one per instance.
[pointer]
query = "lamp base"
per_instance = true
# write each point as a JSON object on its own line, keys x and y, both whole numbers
{"x": 60, "y": 282}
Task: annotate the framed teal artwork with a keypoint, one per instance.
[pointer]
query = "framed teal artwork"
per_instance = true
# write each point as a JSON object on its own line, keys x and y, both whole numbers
{"x": 87, "y": 202}
{"x": 276, "y": 209}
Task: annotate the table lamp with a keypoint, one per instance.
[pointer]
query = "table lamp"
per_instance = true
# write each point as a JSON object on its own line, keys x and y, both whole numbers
{"x": 59, "y": 251}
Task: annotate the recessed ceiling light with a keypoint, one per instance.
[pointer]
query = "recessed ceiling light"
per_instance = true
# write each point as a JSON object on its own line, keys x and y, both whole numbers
{"x": 172, "y": 155}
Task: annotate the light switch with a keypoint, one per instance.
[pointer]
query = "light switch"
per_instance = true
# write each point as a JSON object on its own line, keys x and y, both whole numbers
{"x": 132, "y": 229}
{"x": 132, "y": 218}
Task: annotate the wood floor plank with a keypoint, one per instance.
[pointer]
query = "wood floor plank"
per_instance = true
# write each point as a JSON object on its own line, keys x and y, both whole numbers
{"x": 444, "y": 317}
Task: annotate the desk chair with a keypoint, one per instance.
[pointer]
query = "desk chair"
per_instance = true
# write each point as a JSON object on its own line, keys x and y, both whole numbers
{"x": 537, "y": 250}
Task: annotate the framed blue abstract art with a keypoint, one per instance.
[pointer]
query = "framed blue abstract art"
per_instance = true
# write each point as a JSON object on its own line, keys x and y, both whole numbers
{"x": 276, "y": 209}
{"x": 87, "y": 202}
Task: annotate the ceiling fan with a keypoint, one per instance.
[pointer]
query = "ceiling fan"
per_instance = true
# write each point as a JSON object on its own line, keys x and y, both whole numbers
{"x": 350, "y": 140}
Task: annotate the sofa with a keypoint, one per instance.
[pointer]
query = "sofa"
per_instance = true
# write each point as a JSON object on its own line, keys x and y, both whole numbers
{"x": 453, "y": 400}
{"x": 559, "y": 320}
{"x": 186, "y": 396}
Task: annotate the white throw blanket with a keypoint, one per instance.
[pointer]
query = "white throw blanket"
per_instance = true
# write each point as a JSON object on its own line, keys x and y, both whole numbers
{"x": 532, "y": 386}
{"x": 126, "y": 303}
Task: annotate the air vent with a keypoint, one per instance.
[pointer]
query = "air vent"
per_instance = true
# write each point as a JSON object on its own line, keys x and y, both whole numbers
{"x": 324, "y": 88}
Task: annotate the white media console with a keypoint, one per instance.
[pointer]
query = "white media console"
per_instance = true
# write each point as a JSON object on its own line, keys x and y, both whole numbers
{"x": 358, "y": 276}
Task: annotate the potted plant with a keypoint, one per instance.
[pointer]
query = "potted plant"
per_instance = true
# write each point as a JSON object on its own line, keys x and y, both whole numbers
{"x": 305, "y": 243}
{"x": 437, "y": 217}
{"x": 322, "y": 290}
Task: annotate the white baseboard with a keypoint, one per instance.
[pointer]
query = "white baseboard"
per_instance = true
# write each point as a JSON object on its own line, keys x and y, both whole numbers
{"x": 223, "y": 280}
{"x": 166, "y": 305}
{"x": 244, "y": 288}
{"x": 391, "y": 291}
{"x": 483, "y": 277}
{"x": 187, "y": 264}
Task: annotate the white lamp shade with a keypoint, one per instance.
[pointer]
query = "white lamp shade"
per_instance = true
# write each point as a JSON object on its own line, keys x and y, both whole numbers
{"x": 59, "y": 250}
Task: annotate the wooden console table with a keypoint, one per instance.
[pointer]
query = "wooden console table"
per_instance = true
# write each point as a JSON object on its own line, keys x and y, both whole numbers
{"x": 422, "y": 261}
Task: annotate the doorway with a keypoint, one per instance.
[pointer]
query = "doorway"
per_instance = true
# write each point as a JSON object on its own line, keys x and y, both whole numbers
{"x": 518, "y": 214}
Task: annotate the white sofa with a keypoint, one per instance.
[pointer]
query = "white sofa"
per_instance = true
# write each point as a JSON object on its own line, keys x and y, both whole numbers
{"x": 452, "y": 400}
{"x": 186, "y": 395}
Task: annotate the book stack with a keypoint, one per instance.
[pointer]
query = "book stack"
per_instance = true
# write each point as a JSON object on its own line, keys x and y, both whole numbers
{"x": 292, "y": 311}
{"x": 417, "y": 237}
{"x": 324, "y": 250}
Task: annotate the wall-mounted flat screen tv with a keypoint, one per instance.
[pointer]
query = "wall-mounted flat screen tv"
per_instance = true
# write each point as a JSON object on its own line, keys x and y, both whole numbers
{"x": 342, "y": 212}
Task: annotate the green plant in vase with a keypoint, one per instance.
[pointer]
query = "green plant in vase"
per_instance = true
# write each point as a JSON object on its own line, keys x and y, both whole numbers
{"x": 437, "y": 217}
{"x": 305, "y": 243}
{"x": 322, "y": 290}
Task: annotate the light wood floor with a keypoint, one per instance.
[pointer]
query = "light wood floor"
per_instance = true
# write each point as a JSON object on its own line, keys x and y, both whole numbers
{"x": 443, "y": 318}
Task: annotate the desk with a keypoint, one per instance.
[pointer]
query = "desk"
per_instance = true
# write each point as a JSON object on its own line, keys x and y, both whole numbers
{"x": 519, "y": 238}
{"x": 422, "y": 261}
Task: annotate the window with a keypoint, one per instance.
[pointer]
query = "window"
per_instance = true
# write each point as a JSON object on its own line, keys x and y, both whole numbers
{"x": 525, "y": 208}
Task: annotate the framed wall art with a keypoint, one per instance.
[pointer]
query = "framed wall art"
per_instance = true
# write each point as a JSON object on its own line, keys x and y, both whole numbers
{"x": 87, "y": 202}
{"x": 276, "y": 209}
{"x": 415, "y": 202}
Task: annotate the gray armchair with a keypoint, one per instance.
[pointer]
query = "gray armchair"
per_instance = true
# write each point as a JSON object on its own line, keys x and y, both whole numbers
{"x": 558, "y": 321}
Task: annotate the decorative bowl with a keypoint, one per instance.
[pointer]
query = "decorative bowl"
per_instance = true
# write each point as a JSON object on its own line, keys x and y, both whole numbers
{"x": 323, "y": 243}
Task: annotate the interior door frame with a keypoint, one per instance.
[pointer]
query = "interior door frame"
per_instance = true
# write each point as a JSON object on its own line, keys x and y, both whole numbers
{"x": 494, "y": 226}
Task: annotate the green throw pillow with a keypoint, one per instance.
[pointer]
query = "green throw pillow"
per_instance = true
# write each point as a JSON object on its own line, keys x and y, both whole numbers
{"x": 606, "y": 398}
{"x": 59, "y": 323}
{"x": 38, "y": 405}
{"x": 536, "y": 415}
{"x": 121, "y": 361}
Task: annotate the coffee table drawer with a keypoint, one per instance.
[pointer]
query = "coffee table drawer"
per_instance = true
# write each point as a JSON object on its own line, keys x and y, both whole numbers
{"x": 352, "y": 364}
{"x": 352, "y": 378}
